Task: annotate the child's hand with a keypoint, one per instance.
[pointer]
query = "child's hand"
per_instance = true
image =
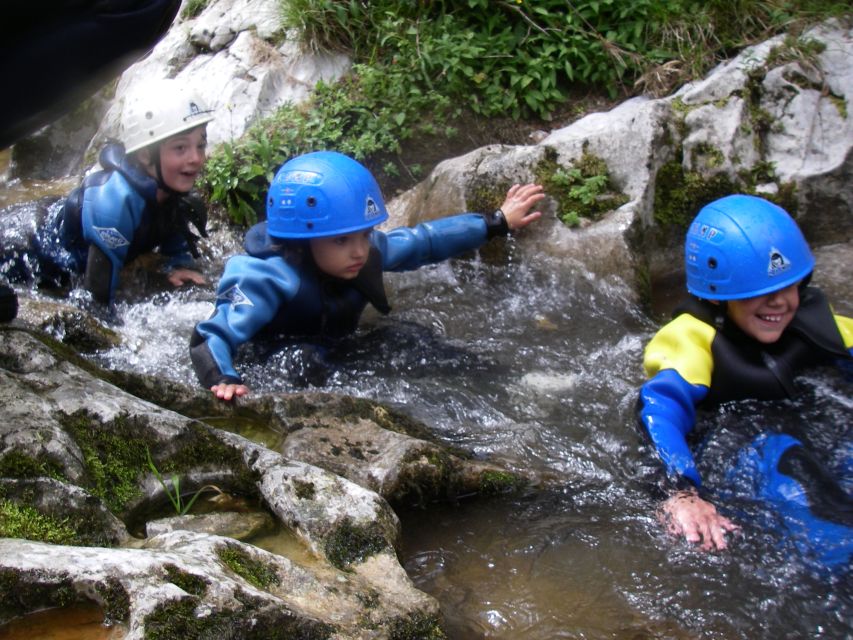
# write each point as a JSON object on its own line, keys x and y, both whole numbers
{"x": 518, "y": 201}
{"x": 227, "y": 392}
{"x": 179, "y": 277}
{"x": 686, "y": 514}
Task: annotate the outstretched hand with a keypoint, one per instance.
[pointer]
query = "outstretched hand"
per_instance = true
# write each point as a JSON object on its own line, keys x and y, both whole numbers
{"x": 686, "y": 514}
{"x": 228, "y": 392}
{"x": 519, "y": 199}
{"x": 180, "y": 277}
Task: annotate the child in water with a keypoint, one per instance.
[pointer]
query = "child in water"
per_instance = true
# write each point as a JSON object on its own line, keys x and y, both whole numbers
{"x": 752, "y": 325}
{"x": 317, "y": 260}
{"x": 139, "y": 201}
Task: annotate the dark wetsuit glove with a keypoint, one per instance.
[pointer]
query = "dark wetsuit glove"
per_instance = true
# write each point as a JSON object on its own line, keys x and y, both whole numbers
{"x": 8, "y": 303}
{"x": 496, "y": 224}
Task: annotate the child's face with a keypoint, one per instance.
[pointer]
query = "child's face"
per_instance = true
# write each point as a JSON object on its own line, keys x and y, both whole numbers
{"x": 342, "y": 256}
{"x": 766, "y": 317}
{"x": 182, "y": 157}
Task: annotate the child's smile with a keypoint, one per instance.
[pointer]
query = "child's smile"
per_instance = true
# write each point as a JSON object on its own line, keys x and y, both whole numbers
{"x": 766, "y": 317}
{"x": 182, "y": 158}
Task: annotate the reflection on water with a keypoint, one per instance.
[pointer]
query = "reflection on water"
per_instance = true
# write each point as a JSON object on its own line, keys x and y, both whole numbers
{"x": 17, "y": 191}
{"x": 82, "y": 621}
{"x": 537, "y": 364}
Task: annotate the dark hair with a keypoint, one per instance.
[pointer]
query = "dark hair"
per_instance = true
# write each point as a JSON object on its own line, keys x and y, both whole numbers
{"x": 294, "y": 252}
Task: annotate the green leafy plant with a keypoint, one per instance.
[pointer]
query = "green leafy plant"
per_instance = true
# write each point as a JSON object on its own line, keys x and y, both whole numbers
{"x": 582, "y": 190}
{"x": 364, "y": 115}
{"x": 174, "y": 492}
{"x": 417, "y": 65}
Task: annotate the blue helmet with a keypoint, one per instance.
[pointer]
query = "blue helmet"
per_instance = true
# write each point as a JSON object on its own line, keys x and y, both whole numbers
{"x": 323, "y": 194}
{"x": 744, "y": 246}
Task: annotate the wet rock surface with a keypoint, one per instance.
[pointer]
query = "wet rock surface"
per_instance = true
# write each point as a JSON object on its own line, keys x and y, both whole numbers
{"x": 83, "y": 462}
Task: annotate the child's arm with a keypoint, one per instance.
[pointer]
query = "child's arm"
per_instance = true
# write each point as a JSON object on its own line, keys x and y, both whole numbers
{"x": 249, "y": 295}
{"x": 110, "y": 215}
{"x": 679, "y": 363}
{"x": 409, "y": 248}
{"x": 181, "y": 248}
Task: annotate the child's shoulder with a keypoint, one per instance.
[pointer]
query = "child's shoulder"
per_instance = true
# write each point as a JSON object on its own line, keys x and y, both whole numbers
{"x": 685, "y": 328}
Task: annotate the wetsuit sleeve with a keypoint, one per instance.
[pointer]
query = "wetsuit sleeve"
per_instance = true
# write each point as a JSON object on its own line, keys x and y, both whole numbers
{"x": 111, "y": 213}
{"x": 408, "y": 248}
{"x": 679, "y": 365}
{"x": 250, "y": 294}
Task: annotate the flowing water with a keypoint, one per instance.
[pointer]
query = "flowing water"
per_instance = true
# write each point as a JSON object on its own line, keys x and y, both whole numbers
{"x": 531, "y": 360}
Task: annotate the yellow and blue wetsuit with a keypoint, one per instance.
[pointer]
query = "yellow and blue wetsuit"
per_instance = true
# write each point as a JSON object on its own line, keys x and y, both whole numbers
{"x": 701, "y": 358}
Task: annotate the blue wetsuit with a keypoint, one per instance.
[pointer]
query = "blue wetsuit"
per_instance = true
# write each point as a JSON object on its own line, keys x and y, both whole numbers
{"x": 265, "y": 294}
{"x": 112, "y": 218}
{"x": 701, "y": 358}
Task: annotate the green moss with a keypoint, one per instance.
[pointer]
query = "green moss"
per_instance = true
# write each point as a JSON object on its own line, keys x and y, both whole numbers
{"x": 22, "y": 521}
{"x": 256, "y": 572}
{"x": 419, "y": 485}
{"x": 679, "y": 194}
{"x": 198, "y": 446}
{"x": 840, "y": 104}
{"x": 805, "y": 51}
{"x": 193, "y": 8}
{"x": 582, "y": 190}
{"x": 679, "y": 107}
{"x": 188, "y": 582}
{"x": 708, "y": 154}
{"x": 420, "y": 626}
{"x": 761, "y": 172}
{"x": 116, "y": 601}
{"x": 115, "y": 458}
{"x": 485, "y": 193}
{"x": 304, "y": 490}
{"x": 179, "y": 620}
{"x": 24, "y": 591}
{"x": 113, "y": 455}
{"x": 20, "y": 466}
{"x": 493, "y": 482}
{"x": 350, "y": 543}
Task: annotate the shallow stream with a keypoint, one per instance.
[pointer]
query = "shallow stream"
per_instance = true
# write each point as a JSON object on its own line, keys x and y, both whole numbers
{"x": 531, "y": 360}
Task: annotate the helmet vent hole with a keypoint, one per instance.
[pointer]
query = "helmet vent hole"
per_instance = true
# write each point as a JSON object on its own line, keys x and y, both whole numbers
{"x": 712, "y": 263}
{"x": 310, "y": 225}
{"x": 712, "y": 287}
{"x": 149, "y": 115}
{"x": 311, "y": 201}
{"x": 272, "y": 202}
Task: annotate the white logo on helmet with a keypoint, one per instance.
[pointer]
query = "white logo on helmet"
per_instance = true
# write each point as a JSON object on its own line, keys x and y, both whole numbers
{"x": 111, "y": 237}
{"x": 300, "y": 177}
{"x": 196, "y": 111}
{"x": 235, "y": 296}
{"x": 371, "y": 209}
{"x": 778, "y": 262}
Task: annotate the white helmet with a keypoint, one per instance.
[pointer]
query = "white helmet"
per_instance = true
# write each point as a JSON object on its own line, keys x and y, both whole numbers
{"x": 159, "y": 109}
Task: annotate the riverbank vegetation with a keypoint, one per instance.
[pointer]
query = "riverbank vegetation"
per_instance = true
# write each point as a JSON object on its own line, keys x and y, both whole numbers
{"x": 425, "y": 72}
